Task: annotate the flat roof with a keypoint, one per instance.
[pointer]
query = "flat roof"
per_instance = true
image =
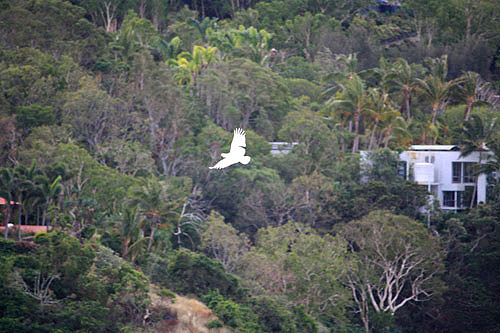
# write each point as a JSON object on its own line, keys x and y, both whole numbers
{"x": 434, "y": 147}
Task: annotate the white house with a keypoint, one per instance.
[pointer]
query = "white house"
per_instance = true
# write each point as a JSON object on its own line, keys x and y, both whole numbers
{"x": 447, "y": 175}
{"x": 282, "y": 148}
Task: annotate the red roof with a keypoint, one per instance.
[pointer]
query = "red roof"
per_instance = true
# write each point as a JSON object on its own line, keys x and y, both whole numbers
{"x": 28, "y": 228}
{"x": 3, "y": 202}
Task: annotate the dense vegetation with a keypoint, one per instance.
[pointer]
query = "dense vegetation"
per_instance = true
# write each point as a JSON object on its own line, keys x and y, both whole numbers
{"x": 111, "y": 112}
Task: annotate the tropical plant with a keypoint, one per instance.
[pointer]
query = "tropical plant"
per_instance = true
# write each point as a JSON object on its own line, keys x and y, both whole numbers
{"x": 353, "y": 101}
{"x": 402, "y": 78}
{"x": 48, "y": 190}
{"x": 478, "y": 134}
{"x": 380, "y": 109}
{"x": 8, "y": 187}
{"x": 434, "y": 88}
{"x": 153, "y": 199}
{"x": 468, "y": 91}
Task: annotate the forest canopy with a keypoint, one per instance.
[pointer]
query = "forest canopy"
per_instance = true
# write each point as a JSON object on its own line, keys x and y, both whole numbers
{"x": 111, "y": 112}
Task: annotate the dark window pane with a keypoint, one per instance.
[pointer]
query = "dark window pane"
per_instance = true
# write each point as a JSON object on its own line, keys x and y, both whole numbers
{"x": 448, "y": 198}
{"x": 456, "y": 172}
{"x": 402, "y": 169}
{"x": 461, "y": 200}
{"x": 468, "y": 172}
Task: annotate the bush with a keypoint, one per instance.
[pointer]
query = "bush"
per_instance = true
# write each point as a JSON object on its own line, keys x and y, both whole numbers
{"x": 214, "y": 323}
{"x": 167, "y": 293}
{"x": 192, "y": 273}
{"x": 232, "y": 314}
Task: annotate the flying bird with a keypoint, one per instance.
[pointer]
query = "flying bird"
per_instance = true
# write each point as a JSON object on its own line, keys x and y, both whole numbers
{"x": 237, "y": 152}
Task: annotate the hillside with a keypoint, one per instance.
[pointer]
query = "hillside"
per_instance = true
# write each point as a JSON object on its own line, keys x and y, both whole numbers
{"x": 112, "y": 112}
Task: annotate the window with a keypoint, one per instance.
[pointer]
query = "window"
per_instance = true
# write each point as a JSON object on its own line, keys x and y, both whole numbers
{"x": 468, "y": 172}
{"x": 454, "y": 199}
{"x": 462, "y": 172}
{"x": 402, "y": 169}
{"x": 429, "y": 159}
{"x": 448, "y": 198}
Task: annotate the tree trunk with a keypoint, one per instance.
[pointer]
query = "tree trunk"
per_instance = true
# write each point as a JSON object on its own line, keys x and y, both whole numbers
{"x": 372, "y": 137}
{"x": 7, "y": 219}
{"x": 468, "y": 28}
{"x": 474, "y": 193}
{"x": 19, "y": 223}
{"x": 44, "y": 215}
{"x": 435, "y": 109}
{"x": 356, "y": 131}
{"x": 408, "y": 102}
{"x": 387, "y": 138}
{"x": 153, "y": 229}
{"x": 467, "y": 111}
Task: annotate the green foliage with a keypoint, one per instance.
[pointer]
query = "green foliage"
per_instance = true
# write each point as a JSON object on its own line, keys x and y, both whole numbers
{"x": 232, "y": 314}
{"x": 192, "y": 273}
{"x": 214, "y": 323}
{"x": 105, "y": 95}
{"x": 167, "y": 293}
{"x": 35, "y": 115}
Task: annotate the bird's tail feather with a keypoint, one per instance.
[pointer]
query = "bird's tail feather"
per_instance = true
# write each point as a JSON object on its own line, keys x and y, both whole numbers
{"x": 245, "y": 159}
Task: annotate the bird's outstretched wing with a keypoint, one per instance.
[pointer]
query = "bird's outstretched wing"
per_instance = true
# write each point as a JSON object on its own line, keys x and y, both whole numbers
{"x": 238, "y": 140}
{"x": 224, "y": 163}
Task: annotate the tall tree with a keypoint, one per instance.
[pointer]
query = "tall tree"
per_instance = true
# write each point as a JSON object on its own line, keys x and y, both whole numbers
{"x": 478, "y": 134}
{"x": 294, "y": 261}
{"x": 354, "y": 101}
{"x": 397, "y": 262}
{"x": 7, "y": 191}
{"x": 402, "y": 78}
{"x": 468, "y": 91}
{"x": 379, "y": 110}
{"x": 153, "y": 198}
{"x": 49, "y": 190}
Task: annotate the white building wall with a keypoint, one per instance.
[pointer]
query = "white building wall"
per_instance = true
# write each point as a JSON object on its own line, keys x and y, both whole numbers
{"x": 443, "y": 171}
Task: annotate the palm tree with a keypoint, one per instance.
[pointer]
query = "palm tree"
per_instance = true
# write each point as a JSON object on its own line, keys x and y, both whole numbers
{"x": 27, "y": 194}
{"x": 436, "y": 92}
{"x": 203, "y": 25}
{"x": 403, "y": 79}
{"x": 477, "y": 136}
{"x": 435, "y": 88}
{"x": 131, "y": 232}
{"x": 380, "y": 108}
{"x": 48, "y": 190}
{"x": 468, "y": 91}
{"x": 8, "y": 192}
{"x": 395, "y": 127}
{"x": 354, "y": 101}
{"x": 152, "y": 198}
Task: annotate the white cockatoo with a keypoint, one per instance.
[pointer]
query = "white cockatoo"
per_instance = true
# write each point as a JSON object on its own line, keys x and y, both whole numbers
{"x": 236, "y": 153}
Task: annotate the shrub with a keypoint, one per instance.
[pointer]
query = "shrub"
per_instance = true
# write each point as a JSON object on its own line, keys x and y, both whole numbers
{"x": 214, "y": 323}
{"x": 167, "y": 293}
{"x": 192, "y": 273}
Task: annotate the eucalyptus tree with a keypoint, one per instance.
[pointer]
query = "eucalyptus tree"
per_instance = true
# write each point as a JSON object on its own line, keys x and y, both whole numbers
{"x": 221, "y": 241}
{"x": 396, "y": 262}
{"x": 306, "y": 268}
{"x": 304, "y": 32}
{"x": 91, "y": 112}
